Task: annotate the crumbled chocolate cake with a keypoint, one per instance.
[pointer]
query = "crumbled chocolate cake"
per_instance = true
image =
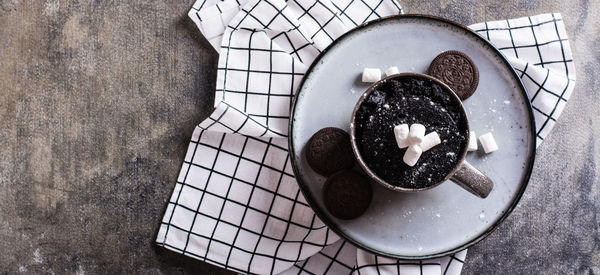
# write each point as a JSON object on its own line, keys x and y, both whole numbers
{"x": 410, "y": 100}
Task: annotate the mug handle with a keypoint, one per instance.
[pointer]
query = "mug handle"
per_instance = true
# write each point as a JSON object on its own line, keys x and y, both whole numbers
{"x": 472, "y": 180}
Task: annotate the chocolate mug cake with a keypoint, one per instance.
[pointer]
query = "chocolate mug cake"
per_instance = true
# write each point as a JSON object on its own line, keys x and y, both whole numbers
{"x": 410, "y": 100}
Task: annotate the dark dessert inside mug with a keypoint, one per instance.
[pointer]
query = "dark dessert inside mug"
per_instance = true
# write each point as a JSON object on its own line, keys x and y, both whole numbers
{"x": 408, "y": 100}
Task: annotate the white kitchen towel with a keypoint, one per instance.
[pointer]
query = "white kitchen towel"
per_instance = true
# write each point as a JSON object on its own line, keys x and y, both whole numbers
{"x": 236, "y": 203}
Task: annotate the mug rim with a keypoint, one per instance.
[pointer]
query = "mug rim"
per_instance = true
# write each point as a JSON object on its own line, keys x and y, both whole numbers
{"x": 354, "y": 144}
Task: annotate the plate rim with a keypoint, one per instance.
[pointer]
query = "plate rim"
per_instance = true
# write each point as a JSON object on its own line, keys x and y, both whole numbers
{"x": 330, "y": 224}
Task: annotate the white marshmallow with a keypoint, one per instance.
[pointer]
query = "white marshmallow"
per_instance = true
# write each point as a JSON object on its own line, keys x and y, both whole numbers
{"x": 412, "y": 155}
{"x": 401, "y": 134}
{"x": 416, "y": 134}
{"x": 371, "y": 75}
{"x": 472, "y": 141}
{"x": 429, "y": 141}
{"x": 488, "y": 143}
{"x": 391, "y": 71}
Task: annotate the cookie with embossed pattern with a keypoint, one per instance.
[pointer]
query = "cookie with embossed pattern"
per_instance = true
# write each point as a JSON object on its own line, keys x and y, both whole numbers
{"x": 457, "y": 70}
{"x": 347, "y": 194}
{"x": 329, "y": 151}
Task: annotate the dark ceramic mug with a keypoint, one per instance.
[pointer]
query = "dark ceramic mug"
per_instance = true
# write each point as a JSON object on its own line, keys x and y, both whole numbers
{"x": 463, "y": 174}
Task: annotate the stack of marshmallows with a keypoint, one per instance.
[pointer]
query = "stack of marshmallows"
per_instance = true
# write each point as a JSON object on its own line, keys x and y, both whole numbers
{"x": 417, "y": 142}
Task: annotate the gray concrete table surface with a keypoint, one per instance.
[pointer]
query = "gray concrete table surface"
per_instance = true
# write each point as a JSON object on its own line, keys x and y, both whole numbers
{"x": 98, "y": 100}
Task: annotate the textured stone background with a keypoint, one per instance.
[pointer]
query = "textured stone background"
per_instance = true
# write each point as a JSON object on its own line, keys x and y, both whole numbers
{"x": 98, "y": 100}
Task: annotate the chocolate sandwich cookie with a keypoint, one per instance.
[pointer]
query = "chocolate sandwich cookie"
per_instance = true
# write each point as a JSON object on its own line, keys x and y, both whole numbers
{"x": 329, "y": 151}
{"x": 347, "y": 194}
{"x": 456, "y": 70}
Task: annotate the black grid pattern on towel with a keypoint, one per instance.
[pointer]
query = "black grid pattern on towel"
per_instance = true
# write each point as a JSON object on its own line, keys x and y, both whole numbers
{"x": 337, "y": 258}
{"x": 267, "y": 52}
{"x": 205, "y": 212}
{"x": 212, "y": 17}
{"x": 341, "y": 258}
{"x": 367, "y": 263}
{"x": 539, "y": 50}
{"x": 454, "y": 263}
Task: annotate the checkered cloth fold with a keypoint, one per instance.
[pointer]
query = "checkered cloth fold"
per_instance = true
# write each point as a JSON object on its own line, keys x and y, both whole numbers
{"x": 236, "y": 203}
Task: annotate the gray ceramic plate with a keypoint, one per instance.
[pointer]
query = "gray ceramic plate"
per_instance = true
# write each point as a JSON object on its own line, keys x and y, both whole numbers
{"x": 445, "y": 219}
